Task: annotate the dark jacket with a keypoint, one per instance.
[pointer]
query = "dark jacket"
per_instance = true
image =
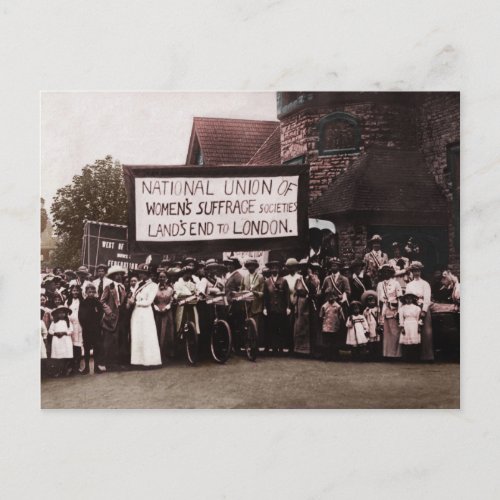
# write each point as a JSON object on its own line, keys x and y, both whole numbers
{"x": 358, "y": 289}
{"x": 233, "y": 284}
{"x": 276, "y": 295}
{"x": 112, "y": 299}
{"x": 338, "y": 286}
{"x": 90, "y": 315}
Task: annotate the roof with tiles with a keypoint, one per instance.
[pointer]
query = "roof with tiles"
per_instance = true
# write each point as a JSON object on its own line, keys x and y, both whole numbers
{"x": 270, "y": 151}
{"x": 227, "y": 141}
{"x": 382, "y": 180}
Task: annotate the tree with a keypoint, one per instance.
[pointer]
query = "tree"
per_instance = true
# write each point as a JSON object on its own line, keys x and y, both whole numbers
{"x": 43, "y": 216}
{"x": 98, "y": 194}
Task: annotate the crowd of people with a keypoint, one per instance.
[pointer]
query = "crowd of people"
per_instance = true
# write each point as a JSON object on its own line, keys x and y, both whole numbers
{"x": 376, "y": 308}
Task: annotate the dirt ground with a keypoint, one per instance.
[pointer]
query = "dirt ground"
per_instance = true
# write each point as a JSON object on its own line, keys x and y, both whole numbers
{"x": 267, "y": 383}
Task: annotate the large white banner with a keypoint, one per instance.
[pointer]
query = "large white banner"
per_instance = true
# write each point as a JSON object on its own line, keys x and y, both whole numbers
{"x": 177, "y": 209}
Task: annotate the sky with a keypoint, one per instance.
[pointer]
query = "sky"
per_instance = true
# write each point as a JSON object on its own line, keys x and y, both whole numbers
{"x": 78, "y": 128}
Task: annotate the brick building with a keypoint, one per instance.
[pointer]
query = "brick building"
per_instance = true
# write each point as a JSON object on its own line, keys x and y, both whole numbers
{"x": 380, "y": 162}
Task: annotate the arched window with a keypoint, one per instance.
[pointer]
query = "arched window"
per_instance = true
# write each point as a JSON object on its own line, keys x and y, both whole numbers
{"x": 338, "y": 133}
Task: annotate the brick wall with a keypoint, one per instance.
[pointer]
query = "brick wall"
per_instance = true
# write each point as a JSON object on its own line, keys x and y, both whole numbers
{"x": 427, "y": 121}
{"x": 382, "y": 123}
{"x": 352, "y": 240}
{"x": 438, "y": 126}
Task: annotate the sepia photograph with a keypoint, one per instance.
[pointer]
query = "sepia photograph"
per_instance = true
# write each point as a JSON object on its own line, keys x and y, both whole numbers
{"x": 290, "y": 249}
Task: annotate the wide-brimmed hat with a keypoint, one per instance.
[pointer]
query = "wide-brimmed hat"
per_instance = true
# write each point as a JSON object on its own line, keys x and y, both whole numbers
{"x": 187, "y": 269}
{"x": 375, "y": 238}
{"x": 70, "y": 273}
{"x": 67, "y": 310}
{"x": 213, "y": 266}
{"x": 210, "y": 261}
{"x": 251, "y": 263}
{"x": 304, "y": 262}
{"x": 82, "y": 270}
{"x": 48, "y": 279}
{"x": 142, "y": 268}
{"x": 233, "y": 260}
{"x": 291, "y": 262}
{"x": 101, "y": 266}
{"x": 315, "y": 265}
{"x": 368, "y": 293}
{"x": 115, "y": 270}
{"x": 188, "y": 260}
{"x": 416, "y": 265}
{"x": 173, "y": 271}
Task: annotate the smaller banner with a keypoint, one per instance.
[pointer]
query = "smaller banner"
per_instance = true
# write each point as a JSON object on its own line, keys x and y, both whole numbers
{"x": 105, "y": 243}
{"x": 261, "y": 256}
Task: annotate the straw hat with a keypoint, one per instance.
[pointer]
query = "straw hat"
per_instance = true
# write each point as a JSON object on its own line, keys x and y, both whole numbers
{"x": 115, "y": 270}
{"x": 368, "y": 293}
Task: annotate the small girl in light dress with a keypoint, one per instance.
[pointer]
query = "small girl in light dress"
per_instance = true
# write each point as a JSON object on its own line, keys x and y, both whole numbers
{"x": 409, "y": 319}
{"x": 62, "y": 344}
{"x": 357, "y": 329}
{"x": 371, "y": 313}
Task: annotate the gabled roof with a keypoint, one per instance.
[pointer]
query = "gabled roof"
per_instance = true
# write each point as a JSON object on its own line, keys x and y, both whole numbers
{"x": 270, "y": 151}
{"x": 383, "y": 180}
{"x": 227, "y": 141}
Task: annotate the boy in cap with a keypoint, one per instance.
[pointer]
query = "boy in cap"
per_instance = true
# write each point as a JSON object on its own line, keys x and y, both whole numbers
{"x": 330, "y": 316}
{"x": 90, "y": 315}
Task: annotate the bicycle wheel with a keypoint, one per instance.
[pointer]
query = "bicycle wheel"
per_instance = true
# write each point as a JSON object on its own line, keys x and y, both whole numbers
{"x": 251, "y": 339}
{"x": 220, "y": 341}
{"x": 191, "y": 343}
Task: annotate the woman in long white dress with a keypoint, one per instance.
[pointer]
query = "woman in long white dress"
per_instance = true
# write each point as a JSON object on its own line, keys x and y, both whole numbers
{"x": 145, "y": 349}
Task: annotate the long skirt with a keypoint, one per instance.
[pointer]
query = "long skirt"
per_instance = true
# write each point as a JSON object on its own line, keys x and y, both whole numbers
{"x": 391, "y": 345}
{"x": 144, "y": 348}
{"x": 166, "y": 333}
{"x": 427, "y": 351}
{"x": 301, "y": 328}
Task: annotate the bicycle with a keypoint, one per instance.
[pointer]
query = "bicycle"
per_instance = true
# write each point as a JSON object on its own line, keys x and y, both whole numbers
{"x": 220, "y": 335}
{"x": 187, "y": 332}
{"x": 249, "y": 325}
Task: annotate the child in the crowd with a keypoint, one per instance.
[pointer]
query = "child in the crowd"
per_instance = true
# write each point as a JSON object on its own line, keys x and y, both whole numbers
{"x": 369, "y": 300}
{"x": 89, "y": 315}
{"x": 357, "y": 329}
{"x": 74, "y": 300}
{"x": 58, "y": 301}
{"x": 62, "y": 345}
{"x": 330, "y": 314}
{"x": 409, "y": 316}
